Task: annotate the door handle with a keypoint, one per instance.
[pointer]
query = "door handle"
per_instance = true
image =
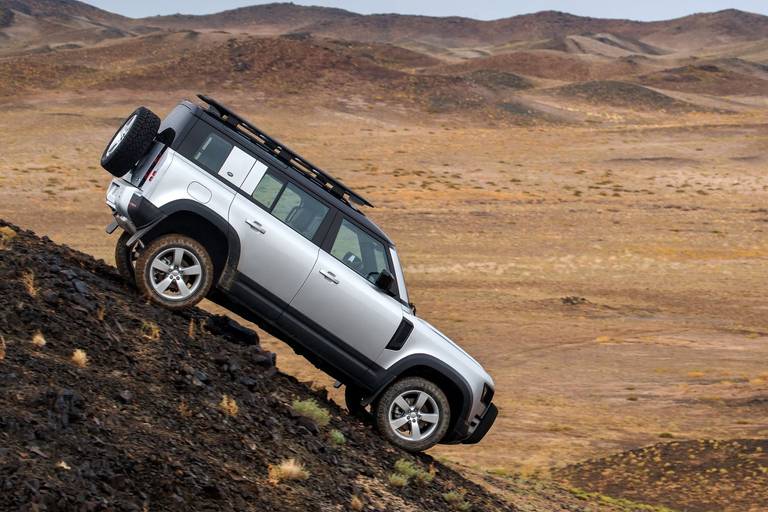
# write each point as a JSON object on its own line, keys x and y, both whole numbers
{"x": 254, "y": 224}
{"x": 329, "y": 276}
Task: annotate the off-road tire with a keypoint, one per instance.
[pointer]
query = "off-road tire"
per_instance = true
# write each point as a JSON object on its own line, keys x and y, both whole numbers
{"x": 166, "y": 243}
{"x": 124, "y": 259}
{"x": 134, "y": 143}
{"x": 352, "y": 397}
{"x": 382, "y": 408}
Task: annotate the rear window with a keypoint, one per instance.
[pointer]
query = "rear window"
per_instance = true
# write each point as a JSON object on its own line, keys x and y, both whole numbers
{"x": 213, "y": 152}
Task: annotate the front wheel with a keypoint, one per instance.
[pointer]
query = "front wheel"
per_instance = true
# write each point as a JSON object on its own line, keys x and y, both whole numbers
{"x": 413, "y": 413}
{"x": 174, "y": 271}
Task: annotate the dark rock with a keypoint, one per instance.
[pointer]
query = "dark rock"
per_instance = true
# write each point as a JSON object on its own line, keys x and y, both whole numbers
{"x": 224, "y": 326}
{"x": 80, "y": 287}
{"x": 50, "y": 296}
{"x": 125, "y": 396}
{"x": 307, "y": 423}
{"x": 64, "y": 407}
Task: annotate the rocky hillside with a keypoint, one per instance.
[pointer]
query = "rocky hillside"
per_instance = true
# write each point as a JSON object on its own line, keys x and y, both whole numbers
{"x": 109, "y": 403}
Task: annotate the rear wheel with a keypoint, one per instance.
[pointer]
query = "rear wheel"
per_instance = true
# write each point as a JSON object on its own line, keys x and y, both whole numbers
{"x": 130, "y": 142}
{"x": 174, "y": 271}
{"x": 413, "y": 413}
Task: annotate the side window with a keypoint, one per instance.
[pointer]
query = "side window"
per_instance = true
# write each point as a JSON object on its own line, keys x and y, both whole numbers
{"x": 267, "y": 191}
{"x": 360, "y": 251}
{"x": 213, "y": 152}
{"x": 299, "y": 210}
{"x": 290, "y": 204}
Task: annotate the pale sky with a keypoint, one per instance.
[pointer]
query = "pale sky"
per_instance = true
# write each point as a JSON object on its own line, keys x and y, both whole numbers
{"x": 479, "y": 9}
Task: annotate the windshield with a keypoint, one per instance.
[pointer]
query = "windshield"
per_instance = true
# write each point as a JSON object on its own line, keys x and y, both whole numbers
{"x": 399, "y": 275}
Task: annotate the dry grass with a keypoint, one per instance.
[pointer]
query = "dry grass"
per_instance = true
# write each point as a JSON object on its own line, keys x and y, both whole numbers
{"x": 79, "y": 358}
{"x": 28, "y": 280}
{"x": 6, "y": 235}
{"x": 356, "y": 504}
{"x": 101, "y": 313}
{"x": 2, "y": 348}
{"x": 191, "y": 330}
{"x": 63, "y": 465}
{"x": 150, "y": 330}
{"x": 456, "y": 500}
{"x": 287, "y": 470}
{"x": 184, "y": 410}
{"x": 405, "y": 471}
{"x": 228, "y": 405}
{"x": 397, "y": 480}
{"x": 310, "y": 409}
{"x": 38, "y": 340}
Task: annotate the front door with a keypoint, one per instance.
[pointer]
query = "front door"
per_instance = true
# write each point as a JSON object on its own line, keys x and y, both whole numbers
{"x": 277, "y": 223}
{"x": 340, "y": 296}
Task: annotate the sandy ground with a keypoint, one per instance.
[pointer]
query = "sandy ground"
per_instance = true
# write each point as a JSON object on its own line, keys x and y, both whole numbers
{"x": 658, "y": 227}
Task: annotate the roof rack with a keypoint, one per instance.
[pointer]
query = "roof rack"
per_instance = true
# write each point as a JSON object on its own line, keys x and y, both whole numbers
{"x": 283, "y": 152}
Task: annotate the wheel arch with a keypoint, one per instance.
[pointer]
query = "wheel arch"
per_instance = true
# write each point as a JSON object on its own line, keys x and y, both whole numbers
{"x": 455, "y": 387}
{"x": 192, "y": 219}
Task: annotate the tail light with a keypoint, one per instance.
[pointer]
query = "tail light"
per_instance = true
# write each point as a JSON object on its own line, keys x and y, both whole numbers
{"x": 152, "y": 171}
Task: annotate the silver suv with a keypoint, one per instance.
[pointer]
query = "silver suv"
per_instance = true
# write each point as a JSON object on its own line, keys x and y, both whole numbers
{"x": 211, "y": 206}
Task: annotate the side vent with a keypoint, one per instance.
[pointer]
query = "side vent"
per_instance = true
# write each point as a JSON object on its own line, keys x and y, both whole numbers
{"x": 401, "y": 335}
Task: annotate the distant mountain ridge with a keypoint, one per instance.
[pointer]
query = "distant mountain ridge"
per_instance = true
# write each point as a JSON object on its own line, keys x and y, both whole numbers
{"x": 693, "y": 31}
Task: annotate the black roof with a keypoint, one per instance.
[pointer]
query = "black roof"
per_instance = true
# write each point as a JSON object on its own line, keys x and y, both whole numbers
{"x": 320, "y": 181}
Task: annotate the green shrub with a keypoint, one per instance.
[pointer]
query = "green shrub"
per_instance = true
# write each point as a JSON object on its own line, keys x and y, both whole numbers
{"x": 310, "y": 409}
{"x": 337, "y": 437}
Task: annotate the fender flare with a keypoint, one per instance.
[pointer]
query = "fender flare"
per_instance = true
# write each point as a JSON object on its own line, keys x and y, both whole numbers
{"x": 233, "y": 240}
{"x": 389, "y": 375}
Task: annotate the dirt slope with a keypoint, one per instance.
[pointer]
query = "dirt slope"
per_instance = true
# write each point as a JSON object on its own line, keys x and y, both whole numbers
{"x": 691, "y": 475}
{"x": 140, "y": 427}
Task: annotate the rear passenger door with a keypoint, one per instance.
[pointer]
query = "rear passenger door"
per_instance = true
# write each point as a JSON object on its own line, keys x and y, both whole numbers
{"x": 279, "y": 225}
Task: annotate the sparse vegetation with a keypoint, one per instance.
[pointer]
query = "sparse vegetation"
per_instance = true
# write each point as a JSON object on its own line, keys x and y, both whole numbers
{"x": 356, "y": 503}
{"x": 6, "y": 235}
{"x": 150, "y": 330}
{"x": 456, "y": 499}
{"x": 397, "y": 480}
{"x": 228, "y": 405}
{"x": 287, "y": 470}
{"x": 28, "y": 280}
{"x": 406, "y": 471}
{"x": 79, "y": 358}
{"x": 184, "y": 410}
{"x": 337, "y": 437}
{"x": 38, "y": 340}
{"x": 310, "y": 409}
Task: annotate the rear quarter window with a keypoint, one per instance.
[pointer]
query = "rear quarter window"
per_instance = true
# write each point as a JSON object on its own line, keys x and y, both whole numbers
{"x": 213, "y": 152}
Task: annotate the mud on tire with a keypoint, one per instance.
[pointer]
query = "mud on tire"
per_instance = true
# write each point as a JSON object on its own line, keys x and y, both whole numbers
{"x": 174, "y": 271}
{"x": 130, "y": 142}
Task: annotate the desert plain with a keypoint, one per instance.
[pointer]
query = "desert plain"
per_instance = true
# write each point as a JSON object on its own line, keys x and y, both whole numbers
{"x": 607, "y": 263}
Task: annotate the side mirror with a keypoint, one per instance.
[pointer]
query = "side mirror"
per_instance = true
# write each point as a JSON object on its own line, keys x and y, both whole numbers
{"x": 386, "y": 283}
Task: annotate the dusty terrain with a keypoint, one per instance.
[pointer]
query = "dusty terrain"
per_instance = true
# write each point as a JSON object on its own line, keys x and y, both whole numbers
{"x": 165, "y": 411}
{"x": 595, "y": 235}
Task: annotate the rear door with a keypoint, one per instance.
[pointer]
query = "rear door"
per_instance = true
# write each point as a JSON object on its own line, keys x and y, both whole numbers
{"x": 279, "y": 224}
{"x": 340, "y": 296}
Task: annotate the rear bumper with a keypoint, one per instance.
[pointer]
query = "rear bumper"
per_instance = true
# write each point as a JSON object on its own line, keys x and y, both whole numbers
{"x": 486, "y": 422}
{"x": 131, "y": 210}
